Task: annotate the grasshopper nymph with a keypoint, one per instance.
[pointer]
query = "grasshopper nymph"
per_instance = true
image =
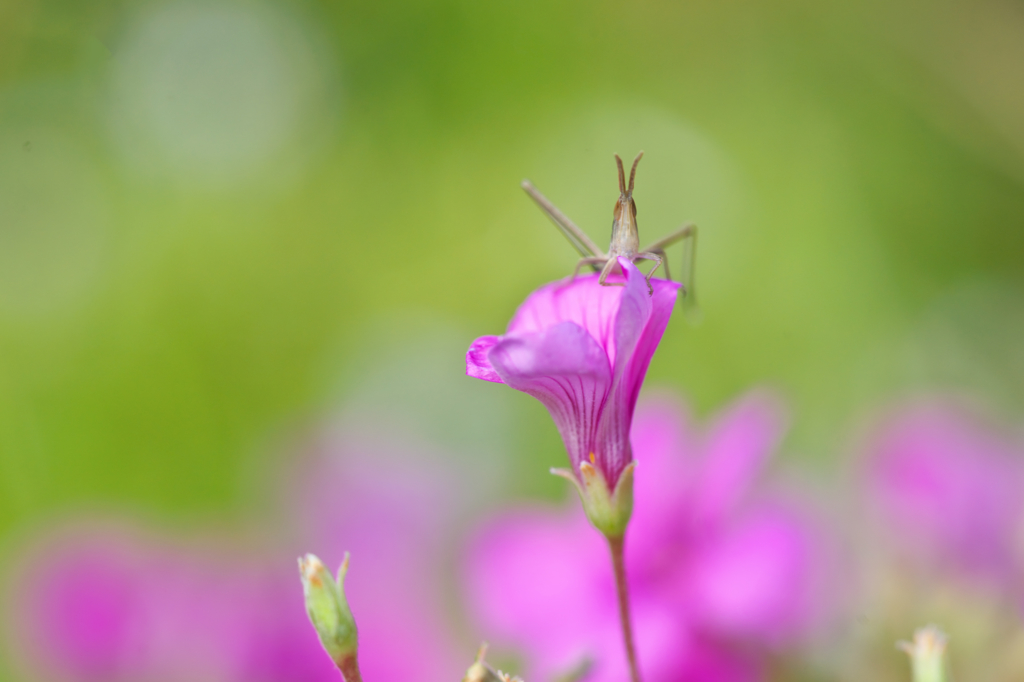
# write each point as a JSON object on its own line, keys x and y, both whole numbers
{"x": 625, "y": 240}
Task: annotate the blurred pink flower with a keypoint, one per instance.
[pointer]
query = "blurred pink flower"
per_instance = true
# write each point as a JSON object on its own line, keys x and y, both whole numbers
{"x": 948, "y": 488}
{"x": 717, "y": 575}
{"x": 392, "y": 506}
{"x": 582, "y": 349}
{"x": 104, "y": 604}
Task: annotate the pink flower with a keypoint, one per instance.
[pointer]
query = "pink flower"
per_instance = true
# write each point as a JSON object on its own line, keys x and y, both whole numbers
{"x": 391, "y": 506}
{"x": 717, "y": 575}
{"x": 102, "y": 603}
{"x": 582, "y": 349}
{"x": 948, "y": 488}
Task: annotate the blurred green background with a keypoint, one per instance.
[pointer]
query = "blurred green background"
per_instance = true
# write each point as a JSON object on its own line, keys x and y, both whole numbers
{"x": 215, "y": 217}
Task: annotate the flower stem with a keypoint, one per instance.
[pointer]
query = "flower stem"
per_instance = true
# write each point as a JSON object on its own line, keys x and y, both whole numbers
{"x": 349, "y": 667}
{"x": 615, "y": 544}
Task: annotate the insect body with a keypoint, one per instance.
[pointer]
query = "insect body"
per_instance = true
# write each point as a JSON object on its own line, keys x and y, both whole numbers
{"x": 625, "y": 240}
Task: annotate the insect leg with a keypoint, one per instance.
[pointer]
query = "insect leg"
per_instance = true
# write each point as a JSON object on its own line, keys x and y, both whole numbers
{"x": 592, "y": 261}
{"x": 658, "y": 260}
{"x": 577, "y": 237}
{"x": 688, "y": 233}
{"x": 607, "y": 270}
{"x": 664, "y": 262}
{"x": 687, "y": 230}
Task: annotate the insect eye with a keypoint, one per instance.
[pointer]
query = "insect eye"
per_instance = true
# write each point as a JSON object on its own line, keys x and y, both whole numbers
{"x": 632, "y": 206}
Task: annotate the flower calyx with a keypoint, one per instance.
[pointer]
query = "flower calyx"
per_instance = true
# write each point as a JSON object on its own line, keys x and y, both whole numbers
{"x": 608, "y": 509}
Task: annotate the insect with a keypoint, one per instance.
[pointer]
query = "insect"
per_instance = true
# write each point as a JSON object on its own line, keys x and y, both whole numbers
{"x": 625, "y": 240}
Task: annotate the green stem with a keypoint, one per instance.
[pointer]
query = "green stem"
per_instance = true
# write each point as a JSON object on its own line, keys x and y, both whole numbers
{"x": 615, "y": 544}
{"x": 349, "y": 667}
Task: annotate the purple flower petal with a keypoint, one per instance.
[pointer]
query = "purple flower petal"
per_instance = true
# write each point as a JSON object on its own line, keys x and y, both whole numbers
{"x": 751, "y": 580}
{"x": 477, "y": 364}
{"x": 525, "y": 562}
{"x": 636, "y": 338}
{"x": 949, "y": 487}
{"x": 82, "y": 610}
{"x": 738, "y": 447}
{"x": 564, "y": 368}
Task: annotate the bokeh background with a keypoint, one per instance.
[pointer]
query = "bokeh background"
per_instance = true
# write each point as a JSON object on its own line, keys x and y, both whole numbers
{"x": 232, "y": 231}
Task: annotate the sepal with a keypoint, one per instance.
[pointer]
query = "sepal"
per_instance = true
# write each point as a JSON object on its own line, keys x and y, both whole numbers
{"x": 608, "y": 510}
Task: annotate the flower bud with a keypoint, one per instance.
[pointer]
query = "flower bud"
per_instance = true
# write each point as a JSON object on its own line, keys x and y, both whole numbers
{"x": 481, "y": 672}
{"x": 329, "y": 612}
{"x": 608, "y": 510}
{"x": 926, "y": 653}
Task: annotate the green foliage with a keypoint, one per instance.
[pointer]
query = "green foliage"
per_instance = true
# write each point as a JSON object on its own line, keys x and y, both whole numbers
{"x": 170, "y": 302}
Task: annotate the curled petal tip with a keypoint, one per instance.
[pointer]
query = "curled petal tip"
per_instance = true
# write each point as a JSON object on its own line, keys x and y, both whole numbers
{"x": 478, "y": 364}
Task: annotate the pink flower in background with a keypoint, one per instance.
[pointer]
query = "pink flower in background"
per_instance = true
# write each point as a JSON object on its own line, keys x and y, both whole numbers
{"x": 949, "y": 488}
{"x": 392, "y": 507}
{"x": 718, "y": 576}
{"x": 582, "y": 349}
{"x": 95, "y": 604}
{"x": 103, "y": 604}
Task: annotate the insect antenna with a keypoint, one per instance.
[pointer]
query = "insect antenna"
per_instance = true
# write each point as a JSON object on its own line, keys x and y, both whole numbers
{"x": 632, "y": 173}
{"x": 622, "y": 175}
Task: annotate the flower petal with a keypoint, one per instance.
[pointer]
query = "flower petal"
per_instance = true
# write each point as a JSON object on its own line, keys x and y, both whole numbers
{"x": 738, "y": 446}
{"x": 581, "y": 301}
{"x": 949, "y": 486}
{"x": 662, "y": 445}
{"x": 564, "y": 368}
{"x": 533, "y": 578}
{"x": 662, "y": 441}
{"x": 639, "y": 325}
{"x": 756, "y": 579}
{"x": 477, "y": 364}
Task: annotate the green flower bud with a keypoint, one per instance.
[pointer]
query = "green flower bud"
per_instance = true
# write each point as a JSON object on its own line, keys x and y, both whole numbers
{"x": 927, "y": 652}
{"x": 330, "y": 614}
{"x": 481, "y": 672}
